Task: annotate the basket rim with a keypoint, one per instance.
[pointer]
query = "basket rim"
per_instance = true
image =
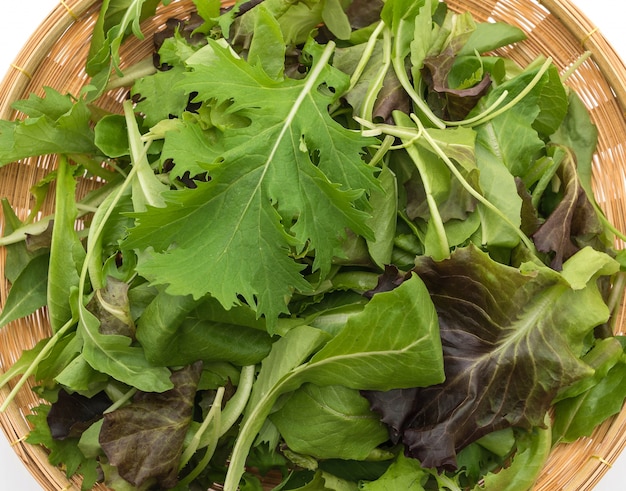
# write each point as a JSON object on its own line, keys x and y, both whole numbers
{"x": 610, "y": 63}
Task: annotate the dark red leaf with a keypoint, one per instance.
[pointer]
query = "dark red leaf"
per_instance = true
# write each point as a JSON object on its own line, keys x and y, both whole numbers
{"x": 144, "y": 440}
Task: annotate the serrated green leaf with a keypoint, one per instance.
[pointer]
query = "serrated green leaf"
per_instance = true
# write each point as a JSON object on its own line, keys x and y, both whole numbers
{"x": 55, "y": 127}
{"x": 269, "y": 182}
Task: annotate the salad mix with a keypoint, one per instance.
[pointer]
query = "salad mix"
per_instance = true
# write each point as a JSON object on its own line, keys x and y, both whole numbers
{"x": 337, "y": 245}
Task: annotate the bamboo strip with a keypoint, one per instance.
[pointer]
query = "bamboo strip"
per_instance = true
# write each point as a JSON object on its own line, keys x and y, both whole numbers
{"x": 55, "y": 55}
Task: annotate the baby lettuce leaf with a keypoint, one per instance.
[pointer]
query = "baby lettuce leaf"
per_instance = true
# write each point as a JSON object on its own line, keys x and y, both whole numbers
{"x": 144, "y": 439}
{"x": 573, "y": 217}
{"x": 18, "y": 255}
{"x": 71, "y": 414}
{"x": 580, "y": 134}
{"x": 533, "y": 450}
{"x": 511, "y": 340}
{"x": 488, "y": 36}
{"x": 405, "y": 473}
{"x": 339, "y": 425}
{"x": 67, "y": 252}
{"x": 378, "y": 349}
{"x": 269, "y": 183}
{"x": 117, "y": 356}
{"x": 602, "y": 395}
{"x": 501, "y": 158}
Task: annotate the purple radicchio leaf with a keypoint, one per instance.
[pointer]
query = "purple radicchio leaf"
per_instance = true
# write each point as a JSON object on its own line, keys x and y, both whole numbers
{"x": 71, "y": 414}
{"x": 506, "y": 339}
{"x": 144, "y": 439}
{"x": 574, "y": 217}
{"x": 451, "y": 104}
{"x": 363, "y": 13}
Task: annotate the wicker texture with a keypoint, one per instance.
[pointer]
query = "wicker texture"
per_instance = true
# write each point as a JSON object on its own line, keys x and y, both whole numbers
{"x": 55, "y": 57}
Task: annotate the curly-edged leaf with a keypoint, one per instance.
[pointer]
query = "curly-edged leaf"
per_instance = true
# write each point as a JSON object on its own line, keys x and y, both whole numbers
{"x": 511, "y": 340}
{"x": 144, "y": 439}
{"x": 574, "y": 217}
{"x": 55, "y": 124}
{"x": 63, "y": 453}
{"x": 234, "y": 236}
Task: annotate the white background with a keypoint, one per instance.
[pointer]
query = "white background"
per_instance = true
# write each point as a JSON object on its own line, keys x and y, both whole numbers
{"x": 19, "y": 18}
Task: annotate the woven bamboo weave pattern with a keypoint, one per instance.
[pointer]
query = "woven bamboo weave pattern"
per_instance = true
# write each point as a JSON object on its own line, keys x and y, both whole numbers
{"x": 55, "y": 57}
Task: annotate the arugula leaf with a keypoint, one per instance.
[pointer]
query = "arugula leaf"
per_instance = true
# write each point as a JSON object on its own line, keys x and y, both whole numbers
{"x": 28, "y": 291}
{"x": 287, "y": 173}
{"x": 67, "y": 252}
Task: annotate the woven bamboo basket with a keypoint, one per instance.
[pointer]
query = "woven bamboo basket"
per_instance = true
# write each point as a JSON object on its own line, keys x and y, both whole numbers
{"x": 55, "y": 56}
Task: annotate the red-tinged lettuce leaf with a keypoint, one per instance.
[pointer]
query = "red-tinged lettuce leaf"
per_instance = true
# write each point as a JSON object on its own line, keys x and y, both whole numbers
{"x": 144, "y": 439}
{"x": 574, "y": 217}
{"x": 451, "y": 103}
{"x": 290, "y": 181}
{"x": 511, "y": 340}
{"x": 63, "y": 453}
{"x": 71, "y": 414}
{"x": 363, "y": 13}
{"x": 112, "y": 308}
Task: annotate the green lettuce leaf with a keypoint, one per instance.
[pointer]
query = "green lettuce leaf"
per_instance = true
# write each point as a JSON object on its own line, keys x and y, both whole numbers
{"x": 339, "y": 423}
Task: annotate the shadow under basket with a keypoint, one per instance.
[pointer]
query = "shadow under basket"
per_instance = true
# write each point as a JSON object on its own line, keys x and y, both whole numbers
{"x": 55, "y": 57}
